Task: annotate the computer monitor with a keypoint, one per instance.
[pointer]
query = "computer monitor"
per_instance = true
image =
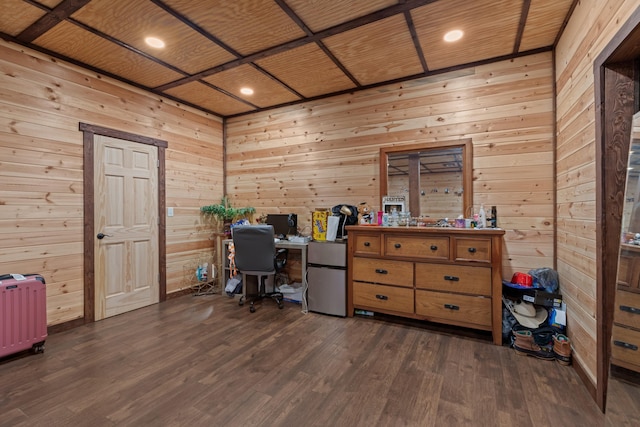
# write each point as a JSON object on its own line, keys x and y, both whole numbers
{"x": 283, "y": 224}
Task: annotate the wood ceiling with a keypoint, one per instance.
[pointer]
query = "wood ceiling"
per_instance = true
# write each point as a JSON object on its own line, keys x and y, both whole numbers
{"x": 287, "y": 51}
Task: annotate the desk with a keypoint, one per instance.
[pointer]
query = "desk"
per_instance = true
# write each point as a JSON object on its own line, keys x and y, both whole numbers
{"x": 282, "y": 244}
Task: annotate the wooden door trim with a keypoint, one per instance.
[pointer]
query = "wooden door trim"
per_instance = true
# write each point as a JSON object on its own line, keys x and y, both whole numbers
{"x": 616, "y": 98}
{"x": 89, "y": 198}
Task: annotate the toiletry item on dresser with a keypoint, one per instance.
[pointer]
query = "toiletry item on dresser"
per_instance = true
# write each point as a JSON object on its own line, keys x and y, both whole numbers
{"x": 482, "y": 218}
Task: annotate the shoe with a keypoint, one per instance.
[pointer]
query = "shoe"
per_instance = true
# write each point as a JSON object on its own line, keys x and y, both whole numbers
{"x": 525, "y": 345}
{"x": 562, "y": 349}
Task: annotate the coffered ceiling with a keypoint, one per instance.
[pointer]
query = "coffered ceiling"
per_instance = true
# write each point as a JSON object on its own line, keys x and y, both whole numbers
{"x": 286, "y": 51}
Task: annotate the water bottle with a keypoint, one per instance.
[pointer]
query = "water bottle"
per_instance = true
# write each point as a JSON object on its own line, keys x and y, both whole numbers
{"x": 394, "y": 217}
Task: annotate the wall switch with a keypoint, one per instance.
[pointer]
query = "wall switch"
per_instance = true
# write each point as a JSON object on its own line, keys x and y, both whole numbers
{"x": 169, "y": 211}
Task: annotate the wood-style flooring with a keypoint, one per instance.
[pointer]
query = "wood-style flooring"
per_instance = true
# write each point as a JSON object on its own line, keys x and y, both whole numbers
{"x": 205, "y": 361}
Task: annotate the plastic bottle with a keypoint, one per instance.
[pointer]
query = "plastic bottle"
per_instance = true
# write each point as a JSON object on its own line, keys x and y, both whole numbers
{"x": 394, "y": 217}
{"x": 482, "y": 218}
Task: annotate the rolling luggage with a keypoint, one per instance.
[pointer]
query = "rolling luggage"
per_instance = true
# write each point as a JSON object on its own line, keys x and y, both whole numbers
{"x": 23, "y": 313}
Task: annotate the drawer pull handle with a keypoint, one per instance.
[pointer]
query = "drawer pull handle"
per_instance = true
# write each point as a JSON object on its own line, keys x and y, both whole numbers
{"x": 451, "y": 307}
{"x": 452, "y": 278}
{"x": 434, "y": 248}
{"x": 397, "y": 246}
{"x": 382, "y": 297}
{"x": 632, "y": 310}
{"x": 472, "y": 250}
{"x": 367, "y": 244}
{"x": 625, "y": 345}
{"x": 381, "y": 271}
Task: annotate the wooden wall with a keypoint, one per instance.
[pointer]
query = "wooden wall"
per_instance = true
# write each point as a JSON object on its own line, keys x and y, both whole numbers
{"x": 42, "y": 102}
{"x": 323, "y": 153}
{"x": 592, "y": 26}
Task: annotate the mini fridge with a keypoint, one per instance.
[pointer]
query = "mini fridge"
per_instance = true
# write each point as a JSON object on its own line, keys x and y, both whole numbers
{"x": 327, "y": 277}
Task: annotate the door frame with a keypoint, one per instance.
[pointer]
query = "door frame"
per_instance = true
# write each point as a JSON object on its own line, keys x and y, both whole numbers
{"x": 616, "y": 77}
{"x": 89, "y": 199}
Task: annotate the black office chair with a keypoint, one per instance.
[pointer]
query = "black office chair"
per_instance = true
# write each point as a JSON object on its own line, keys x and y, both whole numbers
{"x": 255, "y": 254}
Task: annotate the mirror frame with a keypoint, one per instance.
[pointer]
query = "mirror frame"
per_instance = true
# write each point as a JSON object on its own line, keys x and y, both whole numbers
{"x": 467, "y": 169}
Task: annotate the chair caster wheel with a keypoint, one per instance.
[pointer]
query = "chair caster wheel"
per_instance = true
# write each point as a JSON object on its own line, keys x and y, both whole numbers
{"x": 252, "y": 309}
{"x": 280, "y": 306}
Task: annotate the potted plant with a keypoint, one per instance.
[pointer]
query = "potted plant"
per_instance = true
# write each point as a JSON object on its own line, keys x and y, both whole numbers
{"x": 223, "y": 214}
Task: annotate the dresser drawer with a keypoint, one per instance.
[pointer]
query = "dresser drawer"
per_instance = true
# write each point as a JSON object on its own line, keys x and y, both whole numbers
{"x": 383, "y": 297}
{"x": 625, "y": 269}
{"x": 454, "y": 278}
{"x": 625, "y": 345}
{"x": 627, "y": 309}
{"x": 366, "y": 244}
{"x": 453, "y": 307}
{"x": 471, "y": 249}
{"x": 426, "y": 247}
{"x": 383, "y": 271}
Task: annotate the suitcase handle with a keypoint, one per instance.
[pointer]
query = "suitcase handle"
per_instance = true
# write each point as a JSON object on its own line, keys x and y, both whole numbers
{"x": 9, "y": 276}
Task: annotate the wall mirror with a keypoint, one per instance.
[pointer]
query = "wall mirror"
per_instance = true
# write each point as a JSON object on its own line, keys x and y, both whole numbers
{"x": 436, "y": 178}
{"x": 625, "y": 334}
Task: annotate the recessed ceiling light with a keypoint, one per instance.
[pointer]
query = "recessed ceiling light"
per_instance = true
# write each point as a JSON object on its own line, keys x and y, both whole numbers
{"x": 154, "y": 42}
{"x": 246, "y": 91}
{"x": 453, "y": 36}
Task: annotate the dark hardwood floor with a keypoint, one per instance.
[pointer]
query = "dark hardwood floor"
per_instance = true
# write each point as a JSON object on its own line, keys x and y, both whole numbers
{"x": 204, "y": 361}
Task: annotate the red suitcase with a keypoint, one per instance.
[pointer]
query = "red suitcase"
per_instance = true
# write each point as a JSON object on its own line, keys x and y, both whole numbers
{"x": 23, "y": 313}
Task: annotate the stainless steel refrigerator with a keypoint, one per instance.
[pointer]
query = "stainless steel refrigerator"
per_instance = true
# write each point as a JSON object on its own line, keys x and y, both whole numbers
{"x": 327, "y": 277}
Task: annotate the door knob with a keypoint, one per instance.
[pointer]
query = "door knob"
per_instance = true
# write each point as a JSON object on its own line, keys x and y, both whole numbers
{"x": 101, "y": 236}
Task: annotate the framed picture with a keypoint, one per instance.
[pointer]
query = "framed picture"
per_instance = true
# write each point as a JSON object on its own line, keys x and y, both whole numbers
{"x": 390, "y": 202}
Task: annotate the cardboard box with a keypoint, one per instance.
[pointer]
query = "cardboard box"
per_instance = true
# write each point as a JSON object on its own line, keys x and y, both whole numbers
{"x": 534, "y": 296}
{"x": 319, "y": 224}
{"x": 558, "y": 316}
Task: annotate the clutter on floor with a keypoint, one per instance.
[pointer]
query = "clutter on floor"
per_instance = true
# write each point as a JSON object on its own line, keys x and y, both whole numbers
{"x": 534, "y": 316}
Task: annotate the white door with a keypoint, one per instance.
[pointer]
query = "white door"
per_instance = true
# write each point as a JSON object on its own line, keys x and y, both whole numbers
{"x": 126, "y": 225}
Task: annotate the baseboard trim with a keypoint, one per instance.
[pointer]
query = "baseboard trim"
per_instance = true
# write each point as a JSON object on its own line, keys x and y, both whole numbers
{"x": 179, "y": 293}
{"x": 61, "y": 327}
{"x": 71, "y": 324}
{"x": 591, "y": 387}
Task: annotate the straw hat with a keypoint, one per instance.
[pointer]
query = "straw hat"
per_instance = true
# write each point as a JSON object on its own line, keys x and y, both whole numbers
{"x": 526, "y": 313}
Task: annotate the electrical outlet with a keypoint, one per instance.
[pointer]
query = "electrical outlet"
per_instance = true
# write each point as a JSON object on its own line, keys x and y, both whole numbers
{"x": 169, "y": 211}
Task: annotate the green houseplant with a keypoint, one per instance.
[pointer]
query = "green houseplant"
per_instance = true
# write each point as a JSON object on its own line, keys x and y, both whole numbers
{"x": 223, "y": 214}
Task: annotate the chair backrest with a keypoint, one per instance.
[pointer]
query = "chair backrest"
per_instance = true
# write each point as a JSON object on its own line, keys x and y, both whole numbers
{"x": 255, "y": 248}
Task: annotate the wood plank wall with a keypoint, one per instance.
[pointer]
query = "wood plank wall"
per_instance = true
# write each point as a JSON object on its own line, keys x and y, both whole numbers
{"x": 591, "y": 27}
{"x": 42, "y": 102}
{"x": 323, "y": 153}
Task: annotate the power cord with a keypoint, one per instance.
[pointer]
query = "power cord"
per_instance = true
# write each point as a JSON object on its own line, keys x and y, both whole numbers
{"x": 305, "y": 287}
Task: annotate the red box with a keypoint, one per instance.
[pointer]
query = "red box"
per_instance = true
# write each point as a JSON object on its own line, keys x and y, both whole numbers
{"x": 23, "y": 313}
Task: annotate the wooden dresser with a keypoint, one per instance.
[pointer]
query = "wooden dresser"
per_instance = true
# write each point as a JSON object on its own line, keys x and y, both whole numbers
{"x": 444, "y": 275}
{"x": 625, "y": 349}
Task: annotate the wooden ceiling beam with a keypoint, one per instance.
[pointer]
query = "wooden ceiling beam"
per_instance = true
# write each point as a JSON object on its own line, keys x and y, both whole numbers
{"x": 53, "y": 17}
{"x": 314, "y": 38}
{"x": 223, "y": 45}
{"x": 196, "y": 27}
{"x": 295, "y": 18}
{"x": 416, "y": 41}
{"x": 526, "y": 5}
{"x": 565, "y": 22}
